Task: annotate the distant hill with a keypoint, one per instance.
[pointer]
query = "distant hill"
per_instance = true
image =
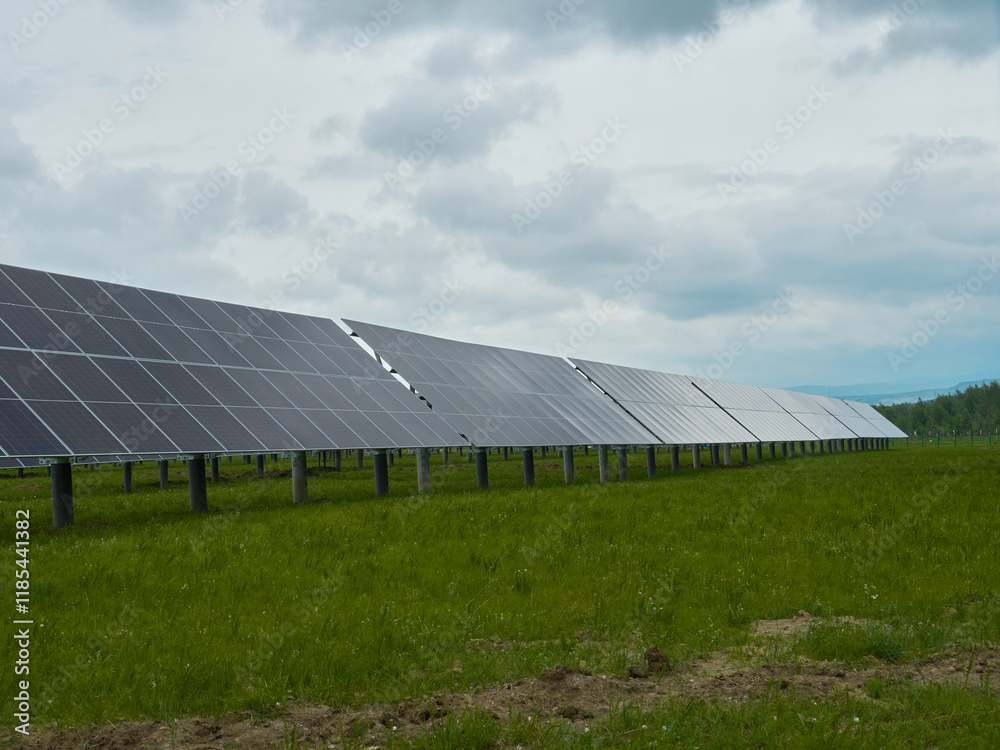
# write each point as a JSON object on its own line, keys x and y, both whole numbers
{"x": 902, "y": 392}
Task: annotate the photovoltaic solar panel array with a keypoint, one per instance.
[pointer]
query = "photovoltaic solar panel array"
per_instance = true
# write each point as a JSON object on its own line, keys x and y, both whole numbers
{"x": 487, "y": 393}
{"x": 90, "y": 368}
{"x": 112, "y": 372}
{"x": 767, "y": 414}
{"x": 503, "y": 397}
{"x": 811, "y": 413}
{"x": 754, "y": 408}
{"x": 669, "y": 406}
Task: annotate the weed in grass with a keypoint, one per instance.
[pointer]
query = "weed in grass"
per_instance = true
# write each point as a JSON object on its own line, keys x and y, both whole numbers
{"x": 875, "y": 688}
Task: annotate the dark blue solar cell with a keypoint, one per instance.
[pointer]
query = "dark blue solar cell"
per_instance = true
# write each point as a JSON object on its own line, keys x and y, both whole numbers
{"x": 259, "y": 388}
{"x": 251, "y": 319}
{"x": 363, "y": 427}
{"x": 217, "y": 347}
{"x": 293, "y": 390}
{"x": 457, "y": 400}
{"x": 138, "y": 384}
{"x": 134, "y": 302}
{"x": 23, "y": 434}
{"x": 136, "y": 431}
{"x": 35, "y": 329}
{"x": 394, "y": 399}
{"x": 180, "y": 383}
{"x": 6, "y": 392}
{"x": 391, "y": 426}
{"x": 284, "y": 354}
{"x": 417, "y": 426}
{"x": 335, "y": 428}
{"x": 369, "y": 367}
{"x": 253, "y": 352}
{"x": 178, "y": 343}
{"x": 90, "y": 296}
{"x": 134, "y": 338}
{"x": 175, "y": 309}
{"x": 9, "y": 292}
{"x": 182, "y": 429}
{"x": 335, "y": 333}
{"x": 228, "y": 430}
{"x": 7, "y": 337}
{"x": 284, "y": 327}
{"x": 77, "y": 427}
{"x": 212, "y": 314}
{"x": 327, "y": 394}
{"x": 28, "y": 377}
{"x": 219, "y": 384}
{"x": 84, "y": 379}
{"x": 437, "y": 400}
{"x": 264, "y": 427}
{"x": 41, "y": 289}
{"x": 347, "y": 364}
{"x": 352, "y": 366}
{"x": 86, "y": 333}
{"x": 418, "y": 370}
{"x": 315, "y": 357}
{"x": 356, "y": 392}
{"x": 309, "y": 328}
{"x": 297, "y": 425}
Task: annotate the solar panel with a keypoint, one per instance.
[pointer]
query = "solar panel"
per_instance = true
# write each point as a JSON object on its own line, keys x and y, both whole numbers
{"x": 848, "y": 417}
{"x": 670, "y": 406}
{"x": 811, "y": 413}
{"x": 752, "y": 407}
{"x": 7, "y": 337}
{"x": 22, "y": 433}
{"x": 503, "y": 397}
{"x": 137, "y": 432}
{"x": 77, "y": 427}
{"x": 837, "y": 407}
{"x": 89, "y": 296}
{"x": 98, "y": 369}
{"x": 85, "y": 380}
{"x": 879, "y": 422}
{"x": 35, "y": 329}
{"x": 86, "y": 333}
{"x": 134, "y": 303}
{"x": 134, "y": 339}
{"x": 41, "y": 289}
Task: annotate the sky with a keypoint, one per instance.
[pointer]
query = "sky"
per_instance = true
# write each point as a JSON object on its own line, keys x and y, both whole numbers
{"x": 776, "y": 192}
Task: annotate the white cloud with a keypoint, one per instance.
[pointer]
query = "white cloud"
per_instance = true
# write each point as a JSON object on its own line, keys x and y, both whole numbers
{"x": 353, "y": 118}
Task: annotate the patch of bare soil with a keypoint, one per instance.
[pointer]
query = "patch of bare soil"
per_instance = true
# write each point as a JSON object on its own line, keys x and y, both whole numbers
{"x": 800, "y": 623}
{"x": 560, "y": 692}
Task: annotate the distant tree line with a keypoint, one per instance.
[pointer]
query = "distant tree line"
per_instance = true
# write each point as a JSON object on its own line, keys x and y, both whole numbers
{"x": 977, "y": 409}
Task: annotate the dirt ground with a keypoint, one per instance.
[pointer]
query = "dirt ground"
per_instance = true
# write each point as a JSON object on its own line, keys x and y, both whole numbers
{"x": 560, "y": 692}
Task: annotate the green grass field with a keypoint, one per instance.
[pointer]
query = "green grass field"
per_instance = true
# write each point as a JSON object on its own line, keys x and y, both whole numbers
{"x": 144, "y": 610}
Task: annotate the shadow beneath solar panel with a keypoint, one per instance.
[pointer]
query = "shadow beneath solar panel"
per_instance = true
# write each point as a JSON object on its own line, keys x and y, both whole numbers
{"x": 26, "y": 485}
{"x": 27, "y": 475}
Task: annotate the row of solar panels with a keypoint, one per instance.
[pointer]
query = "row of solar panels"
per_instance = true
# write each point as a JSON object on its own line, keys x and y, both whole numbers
{"x": 498, "y": 397}
{"x": 91, "y": 368}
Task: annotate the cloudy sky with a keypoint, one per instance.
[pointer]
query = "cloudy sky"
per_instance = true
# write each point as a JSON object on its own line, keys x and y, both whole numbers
{"x": 776, "y": 192}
